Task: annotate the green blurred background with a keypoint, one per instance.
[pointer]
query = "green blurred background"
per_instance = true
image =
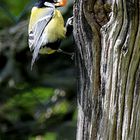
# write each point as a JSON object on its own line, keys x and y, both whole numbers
{"x": 38, "y": 104}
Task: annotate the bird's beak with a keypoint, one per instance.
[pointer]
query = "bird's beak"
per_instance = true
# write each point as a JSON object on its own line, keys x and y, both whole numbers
{"x": 61, "y": 3}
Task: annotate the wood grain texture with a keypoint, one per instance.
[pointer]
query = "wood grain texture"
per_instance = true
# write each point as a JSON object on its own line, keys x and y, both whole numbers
{"x": 107, "y": 34}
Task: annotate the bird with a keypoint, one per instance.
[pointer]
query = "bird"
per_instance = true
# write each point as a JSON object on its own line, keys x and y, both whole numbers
{"x": 46, "y": 27}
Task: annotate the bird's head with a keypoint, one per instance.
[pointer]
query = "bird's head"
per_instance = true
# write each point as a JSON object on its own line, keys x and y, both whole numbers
{"x": 60, "y": 3}
{"x": 57, "y": 3}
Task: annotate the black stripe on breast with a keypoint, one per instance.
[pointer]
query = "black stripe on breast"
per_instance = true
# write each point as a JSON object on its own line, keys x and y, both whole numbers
{"x": 54, "y": 46}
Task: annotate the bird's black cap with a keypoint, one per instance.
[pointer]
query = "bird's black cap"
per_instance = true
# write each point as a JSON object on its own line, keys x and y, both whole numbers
{"x": 40, "y": 3}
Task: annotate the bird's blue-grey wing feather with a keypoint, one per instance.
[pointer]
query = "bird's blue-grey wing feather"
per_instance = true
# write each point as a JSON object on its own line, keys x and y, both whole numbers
{"x": 35, "y": 35}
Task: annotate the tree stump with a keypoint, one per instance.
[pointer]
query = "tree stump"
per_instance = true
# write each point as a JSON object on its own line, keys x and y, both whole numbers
{"x": 107, "y": 35}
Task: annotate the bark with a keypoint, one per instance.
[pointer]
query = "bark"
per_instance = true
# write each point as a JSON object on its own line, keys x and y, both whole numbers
{"x": 107, "y": 35}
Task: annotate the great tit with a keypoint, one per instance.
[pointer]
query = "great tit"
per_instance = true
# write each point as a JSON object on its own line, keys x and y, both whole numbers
{"x": 46, "y": 27}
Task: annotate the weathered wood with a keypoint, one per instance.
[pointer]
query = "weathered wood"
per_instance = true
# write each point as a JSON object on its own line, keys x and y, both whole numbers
{"x": 108, "y": 58}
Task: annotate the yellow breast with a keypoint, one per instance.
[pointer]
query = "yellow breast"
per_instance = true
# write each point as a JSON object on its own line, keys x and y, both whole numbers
{"x": 55, "y": 29}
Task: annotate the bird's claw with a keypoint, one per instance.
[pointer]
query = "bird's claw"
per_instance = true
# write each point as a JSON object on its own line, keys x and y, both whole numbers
{"x": 69, "y": 22}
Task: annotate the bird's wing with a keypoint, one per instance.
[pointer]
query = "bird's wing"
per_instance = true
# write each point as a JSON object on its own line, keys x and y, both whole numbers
{"x": 38, "y": 28}
{"x": 35, "y": 35}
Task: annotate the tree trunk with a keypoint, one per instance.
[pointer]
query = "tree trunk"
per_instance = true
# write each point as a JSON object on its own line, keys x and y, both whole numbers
{"x": 107, "y": 34}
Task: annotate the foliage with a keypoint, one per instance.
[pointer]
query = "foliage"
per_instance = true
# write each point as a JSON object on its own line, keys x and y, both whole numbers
{"x": 38, "y": 104}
